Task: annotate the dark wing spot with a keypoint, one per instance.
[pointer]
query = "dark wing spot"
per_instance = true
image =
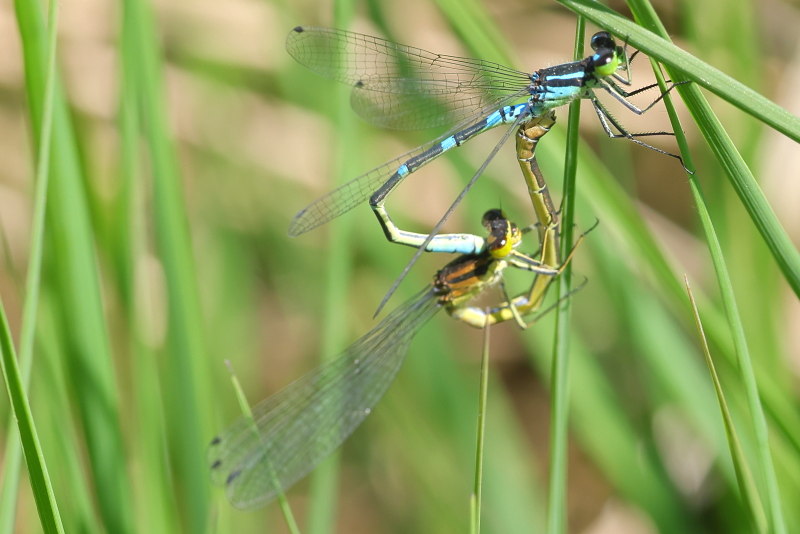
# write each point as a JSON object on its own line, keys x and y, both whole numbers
{"x": 233, "y": 476}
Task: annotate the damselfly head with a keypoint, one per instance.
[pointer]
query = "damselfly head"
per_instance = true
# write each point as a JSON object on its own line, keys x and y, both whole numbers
{"x": 490, "y": 216}
{"x": 603, "y": 40}
{"x": 503, "y": 236}
{"x": 607, "y": 57}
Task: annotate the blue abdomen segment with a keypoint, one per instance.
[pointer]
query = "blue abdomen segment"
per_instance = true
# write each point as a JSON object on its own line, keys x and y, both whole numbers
{"x": 448, "y": 243}
{"x": 504, "y": 115}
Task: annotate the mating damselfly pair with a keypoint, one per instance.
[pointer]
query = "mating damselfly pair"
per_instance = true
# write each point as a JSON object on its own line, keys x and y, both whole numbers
{"x": 399, "y": 86}
{"x": 289, "y": 433}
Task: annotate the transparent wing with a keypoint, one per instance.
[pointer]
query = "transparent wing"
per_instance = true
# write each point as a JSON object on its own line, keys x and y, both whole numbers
{"x": 294, "y": 430}
{"x": 358, "y": 190}
{"x": 416, "y": 111}
{"x": 389, "y": 77}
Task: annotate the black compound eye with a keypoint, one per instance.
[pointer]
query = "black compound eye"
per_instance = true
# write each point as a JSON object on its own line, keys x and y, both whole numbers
{"x": 603, "y": 40}
{"x": 491, "y": 216}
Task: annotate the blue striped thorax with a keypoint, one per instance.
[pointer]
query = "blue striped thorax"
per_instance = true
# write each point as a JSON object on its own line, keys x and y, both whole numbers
{"x": 555, "y": 86}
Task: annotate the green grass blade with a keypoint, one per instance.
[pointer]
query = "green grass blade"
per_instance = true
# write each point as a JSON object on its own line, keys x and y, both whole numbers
{"x": 61, "y": 442}
{"x": 155, "y": 496}
{"x": 746, "y": 187}
{"x": 75, "y": 279}
{"x": 682, "y": 65}
{"x": 745, "y": 366}
{"x": 483, "y": 393}
{"x": 744, "y": 476}
{"x": 186, "y": 363}
{"x": 13, "y": 450}
{"x": 43, "y": 491}
{"x": 644, "y": 11}
{"x": 244, "y": 405}
{"x": 689, "y": 66}
{"x": 745, "y": 363}
{"x": 37, "y": 469}
{"x": 605, "y": 434}
{"x": 559, "y": 377}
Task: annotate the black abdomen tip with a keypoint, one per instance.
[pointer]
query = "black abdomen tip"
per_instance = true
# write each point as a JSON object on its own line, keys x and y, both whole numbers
{"x": 298, "y": 29}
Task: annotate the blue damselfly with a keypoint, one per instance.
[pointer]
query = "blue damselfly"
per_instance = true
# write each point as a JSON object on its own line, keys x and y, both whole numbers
{"x": 404, "y": 87}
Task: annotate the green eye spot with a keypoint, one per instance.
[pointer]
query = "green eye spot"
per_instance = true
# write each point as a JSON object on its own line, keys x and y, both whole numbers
{"x": 609, "y": 67}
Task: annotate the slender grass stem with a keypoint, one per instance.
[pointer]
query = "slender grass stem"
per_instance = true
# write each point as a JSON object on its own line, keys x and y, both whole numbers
{"x": 744, "y": 475}
{"x": 477, "y": 488}
{"x": 244, "y": 405}
{"x": 559, "y": 377}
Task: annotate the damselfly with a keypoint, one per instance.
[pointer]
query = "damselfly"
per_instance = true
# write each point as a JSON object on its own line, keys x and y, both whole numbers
{"x": 403, "y": 87}
{"x": 291, "y": 432}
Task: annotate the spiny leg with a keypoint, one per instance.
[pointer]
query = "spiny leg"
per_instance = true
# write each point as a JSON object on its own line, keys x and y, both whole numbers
{"x": 621, "y": 95}
{"x": 607, "y": 120}
{"x": 627, "y": 80}
{"x": 514, "y": 310}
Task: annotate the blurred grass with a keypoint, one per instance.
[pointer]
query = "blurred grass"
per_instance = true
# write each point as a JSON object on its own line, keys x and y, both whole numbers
{"x": 185, "y": 371}
{"x": 72, "y": 275}
{"x": 338, "y": 273}
{"x": 175, "y": 169}
{"x": 17, "y": 374}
